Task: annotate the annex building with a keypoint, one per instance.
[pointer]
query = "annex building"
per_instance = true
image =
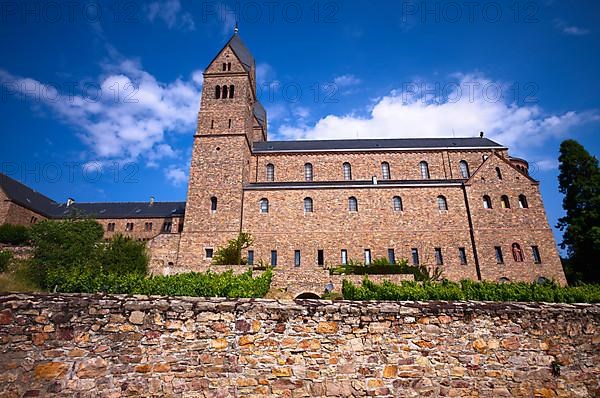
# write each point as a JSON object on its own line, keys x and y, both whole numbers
{"x": 463, "y": 204}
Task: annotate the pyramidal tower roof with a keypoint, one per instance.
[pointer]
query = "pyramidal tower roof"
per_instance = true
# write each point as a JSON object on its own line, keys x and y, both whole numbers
{"x": 240, "y": 50}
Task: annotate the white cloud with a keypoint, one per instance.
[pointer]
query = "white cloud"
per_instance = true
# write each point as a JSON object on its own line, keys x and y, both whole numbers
{"x": 171, "y": 13}
{"x": 546, "y": 164}
{"x": 126, "y": 116}
{"x": 467, "y": 108}
{"x": 570, "y": 30}
{"x": 176, "y": 176}
{"x": 346, "y": 80}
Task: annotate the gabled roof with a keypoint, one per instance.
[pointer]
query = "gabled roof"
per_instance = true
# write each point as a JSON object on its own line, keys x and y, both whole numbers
{"x": 259, "y": 113}
{"x": 240, "y": 50}
{"x": 375, "y": 145}
{"x": 24, "y": 196}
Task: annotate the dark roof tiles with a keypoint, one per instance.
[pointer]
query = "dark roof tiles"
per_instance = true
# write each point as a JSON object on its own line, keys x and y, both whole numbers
{"x": 373, "y": 144}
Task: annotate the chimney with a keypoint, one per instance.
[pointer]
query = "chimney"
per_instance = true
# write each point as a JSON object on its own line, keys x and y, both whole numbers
{"x": 481, "y": 134}
{"x": 70, "y": 201}
{"x": 151, "y": 200}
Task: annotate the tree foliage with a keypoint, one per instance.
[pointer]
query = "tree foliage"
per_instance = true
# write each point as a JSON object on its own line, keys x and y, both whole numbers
{"x": 232, "y": 253}
{"x": 579, "y": 181}
{"x": 123, "y": 255}
{"x": 67, "y": 249}
{"x": 14, "y": 234}
{"x": 5, "y": 257}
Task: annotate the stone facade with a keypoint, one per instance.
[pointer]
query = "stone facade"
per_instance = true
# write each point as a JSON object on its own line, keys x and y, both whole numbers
{"x": 116, "y": 346}
{"x": 225, "y": 166}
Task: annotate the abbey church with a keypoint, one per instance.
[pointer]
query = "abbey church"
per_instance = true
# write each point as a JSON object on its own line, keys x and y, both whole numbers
{"x": 462, "y": 204}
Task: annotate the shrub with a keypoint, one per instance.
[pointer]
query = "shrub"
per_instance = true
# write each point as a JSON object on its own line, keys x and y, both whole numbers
{"x": 232, "y": 253}
{"x": 5, "y": 257}
{"x": 382, "y": 266}
{"x": 61, "y": 246}
{"x": 471, "y": 290}
{"x": 123, "y": 255}
{"x": 207, "y": 284}
{"x": 14, "y": 234}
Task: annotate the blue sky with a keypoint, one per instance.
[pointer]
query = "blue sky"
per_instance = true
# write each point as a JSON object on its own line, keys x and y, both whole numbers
{"x": 98, "y": 100}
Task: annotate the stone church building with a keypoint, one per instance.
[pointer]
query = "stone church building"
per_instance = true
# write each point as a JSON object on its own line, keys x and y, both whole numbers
{"x": 463, "y": 204}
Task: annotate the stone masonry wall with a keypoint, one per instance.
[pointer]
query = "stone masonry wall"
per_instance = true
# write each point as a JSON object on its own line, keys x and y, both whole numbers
{"x": 115, "y": 346}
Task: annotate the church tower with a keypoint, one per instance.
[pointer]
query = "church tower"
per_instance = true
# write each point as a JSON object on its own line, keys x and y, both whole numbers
{"x": 229, "y": 121}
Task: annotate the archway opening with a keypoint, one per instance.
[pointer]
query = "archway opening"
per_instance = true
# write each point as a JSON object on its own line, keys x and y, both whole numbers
{"x": 307, "y": 296}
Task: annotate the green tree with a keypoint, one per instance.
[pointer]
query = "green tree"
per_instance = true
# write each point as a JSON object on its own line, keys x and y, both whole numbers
{"x": 123, "y": 255}
{"x": 232, "y": 253}
{"x": 579, "y": 181}
{"x": 61, "y": 246}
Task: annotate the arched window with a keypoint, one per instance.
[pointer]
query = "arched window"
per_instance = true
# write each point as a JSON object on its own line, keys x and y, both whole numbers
{"x": 218, "y": 92}
{"x": 484, "y": 157}
{"x": 542, "y": 280}
{"x": 397, "y": 202}
{"x": 213, "y": 204}
{"x": 385, "y": 171}
{"x": 504, "y": 202}
{"x": 270, "y": 172}
{"x": 264, "y": 205}
{"x": 442, "y": 203}
{"x": 523, "y": 202}
{"x": 228, "y": 65}
{"x": 308, "y": 172}
{"x": 224, "y": 66}
{"x": 424, "y": 170}
{"x": 499, "y": 173}
{"x": 517, "y": 252}
{"x": 308, "y": 205}
{"x": 487, "y": 202}
{"x": 224, "y": 89}
{"x": 231, "y": 90}
{"x": 352, "y": 204}
{"x": 464, "y": 169}
{"x": 347, "y": 169}
{"x": 503, "y": 280}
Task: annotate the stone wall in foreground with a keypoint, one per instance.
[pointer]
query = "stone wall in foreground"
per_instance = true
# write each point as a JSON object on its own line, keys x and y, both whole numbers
{"x": 113, "y": 346}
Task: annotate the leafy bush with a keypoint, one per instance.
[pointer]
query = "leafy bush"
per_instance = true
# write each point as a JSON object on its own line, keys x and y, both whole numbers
{"x": 382, "y": 266}
{"x": 5, "y": 257}
{"x": 123, "y": 255}
{"x": 471, "y": 290}
{"x": 232, "y": 253}
{"x": 207, "y": 284}
{"x": 62, "y": 246}
{"x": 14, "y": 234}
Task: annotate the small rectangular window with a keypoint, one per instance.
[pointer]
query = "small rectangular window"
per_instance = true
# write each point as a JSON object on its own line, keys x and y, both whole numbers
{"x": 367, "y": 256}
{"x": 297, "y": 258}
{"x": 499, "y": 256}
{"x": 209, "y": 252}
{"x": 536, "y": 254}
{"x": 415, "y": 256}
{"x": 391, "y": 256}
{"x": 250, "y": 257}
{"x": 273, "y": 258}
{"x": 462, "y": 255}
{"x": 320, "y": 257}
{"x": 439, "y": 260}
{"x": 344, "y": 256}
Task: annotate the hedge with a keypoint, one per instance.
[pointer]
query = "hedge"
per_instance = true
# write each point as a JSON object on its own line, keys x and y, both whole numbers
{"x": 14, "y": 234}
{"x": 207, "y": 284}
{"x": 471, "y": 290}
